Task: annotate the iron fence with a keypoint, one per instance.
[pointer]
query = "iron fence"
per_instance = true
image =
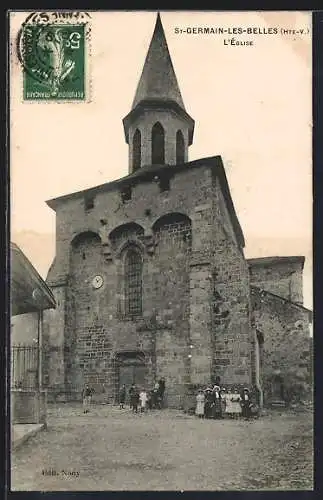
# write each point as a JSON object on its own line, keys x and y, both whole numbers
{"x": 24, "y": 367}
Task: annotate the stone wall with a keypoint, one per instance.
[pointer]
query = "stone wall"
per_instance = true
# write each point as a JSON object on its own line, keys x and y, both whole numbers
{"x": 195, "y": 320}
{"x": 94, "y": 328}
{"x": 28, "y": 407}
{"x": 230, "y": 301}
{"x": 286, "y": 349}
{"x": 282, "y": 276}
{"x": 53, "y": 340}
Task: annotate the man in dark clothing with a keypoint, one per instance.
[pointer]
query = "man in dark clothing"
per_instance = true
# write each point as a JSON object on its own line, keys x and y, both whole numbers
{"x": 216, "y": 402}
{"x": 131, "y": 394}
{"x": 161, "y": 389}
{"x": 134, "y": 399}
{"x": 208, "y": 403}
{"x": 246, "y": 404}
{"x": 155, "y": 398}
{"x": 122, "y": 396}
{"x": 150, "y": 400}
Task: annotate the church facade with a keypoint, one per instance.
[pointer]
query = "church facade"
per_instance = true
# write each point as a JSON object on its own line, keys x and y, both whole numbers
{"x": 149, "y": 277}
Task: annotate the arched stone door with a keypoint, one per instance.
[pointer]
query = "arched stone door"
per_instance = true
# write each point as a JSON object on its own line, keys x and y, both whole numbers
{"x": 131, "y": 369}
{"x": 277, "y": 388}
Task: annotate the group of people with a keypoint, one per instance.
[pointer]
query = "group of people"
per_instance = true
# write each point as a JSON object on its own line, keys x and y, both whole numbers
{"x": 217, "y": 402}
{"x": 142, "y": 398}
{"x": 212, "y": 402}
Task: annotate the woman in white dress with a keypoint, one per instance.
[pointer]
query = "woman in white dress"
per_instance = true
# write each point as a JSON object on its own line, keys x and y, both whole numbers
{"x": 229, "y": 407}
{"x": 200, "y": 403}
{"x": 143, "y": 398}
{"x": 223, "y": 393}
{"x": 236, "y": 404}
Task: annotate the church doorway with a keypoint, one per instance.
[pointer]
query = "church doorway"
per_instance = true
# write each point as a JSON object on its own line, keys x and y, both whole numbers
{"x": 277, "y": 388}
{"x": 131, "y": 369}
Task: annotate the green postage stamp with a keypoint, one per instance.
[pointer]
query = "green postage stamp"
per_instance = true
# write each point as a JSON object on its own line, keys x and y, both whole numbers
{"x": 53, "y": 48}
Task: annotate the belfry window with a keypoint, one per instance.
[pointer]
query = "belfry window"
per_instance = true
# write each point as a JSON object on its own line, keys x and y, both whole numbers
{"x": 126, "y": 193}
{"x": 164, "y": 183}
{"x": 157, "y": 144}
{"x": 133, "y": 283}
{"x": 136, "y": 145}
{"x": 88, "y": 202}
{"x": 180, "y": 147}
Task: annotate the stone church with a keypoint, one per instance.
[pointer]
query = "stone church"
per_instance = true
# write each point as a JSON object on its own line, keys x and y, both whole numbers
{"x": 150, "y": 277}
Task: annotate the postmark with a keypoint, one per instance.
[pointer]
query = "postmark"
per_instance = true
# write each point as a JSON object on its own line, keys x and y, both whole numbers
{"x": 53, "y": 49}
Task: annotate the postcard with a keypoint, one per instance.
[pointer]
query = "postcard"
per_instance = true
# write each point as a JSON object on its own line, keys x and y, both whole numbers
{"x": 161, "y": 251}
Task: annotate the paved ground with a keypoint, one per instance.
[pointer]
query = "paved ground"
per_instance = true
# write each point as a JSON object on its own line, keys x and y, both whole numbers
{"x": 109, "y": 449}
{"x": 22, "y": 432}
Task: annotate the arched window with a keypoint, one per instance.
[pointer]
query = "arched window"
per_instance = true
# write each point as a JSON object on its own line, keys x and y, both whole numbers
{"x": 157, "y": 144}
{"x": 174, "y": 229}
{"x": 133, "y": 283}
{"x": 85, "y": 248}
{"x": 127, "y": 231}
{"x": 180, "y": 147}
{"x": 136, "y": 145}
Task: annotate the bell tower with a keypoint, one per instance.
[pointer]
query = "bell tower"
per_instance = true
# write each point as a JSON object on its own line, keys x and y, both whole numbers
{"x": 158, "y": 129}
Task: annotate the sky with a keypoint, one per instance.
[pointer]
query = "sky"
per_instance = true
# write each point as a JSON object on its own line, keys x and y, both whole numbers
{"x": 251, "y": 105}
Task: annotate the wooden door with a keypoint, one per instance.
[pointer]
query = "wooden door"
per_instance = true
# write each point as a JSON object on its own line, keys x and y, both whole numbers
{"x": 132, "y": 374}
{"x": 140, "y": 376}
{"x": 277, "y": 388}
{"x": 126, "y": 376}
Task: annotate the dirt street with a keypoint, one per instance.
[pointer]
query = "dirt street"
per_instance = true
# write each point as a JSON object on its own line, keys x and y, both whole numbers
{"x": 112, "y": 449}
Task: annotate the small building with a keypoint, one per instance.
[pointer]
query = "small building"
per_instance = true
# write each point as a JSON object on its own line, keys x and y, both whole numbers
{"x": 30, "y": 296}
{"x": 283, "y": 343}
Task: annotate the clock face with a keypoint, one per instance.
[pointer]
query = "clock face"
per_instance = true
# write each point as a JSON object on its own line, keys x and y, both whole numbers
{"x": 97, "y": 281}
{"x": 36, "y": 294}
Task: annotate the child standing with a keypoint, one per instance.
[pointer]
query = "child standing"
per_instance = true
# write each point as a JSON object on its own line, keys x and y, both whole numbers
{"x": 200, "y": 403}
{"x": 122, "y": 396}
{"x": 236, "y": 404}
{"x": 143, "y": 397}
{"x": 86, "y": 396}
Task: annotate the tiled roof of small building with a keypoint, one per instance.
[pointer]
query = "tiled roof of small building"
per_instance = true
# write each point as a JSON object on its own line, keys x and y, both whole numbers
{"x": 256, "y": 291}
{"x": 271, "y": 261}
{"x": 29, "y": 291}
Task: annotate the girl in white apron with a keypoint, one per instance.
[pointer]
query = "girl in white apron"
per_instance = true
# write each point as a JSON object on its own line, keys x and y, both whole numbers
{"x": 200, "y": 403}
{"x": 143, "y": 398}
{"x": 229, "y": 407}
{"x": 236, "y": 404}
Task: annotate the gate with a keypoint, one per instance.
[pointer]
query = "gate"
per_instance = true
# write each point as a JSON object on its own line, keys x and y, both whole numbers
{"x": 24, "y": 367}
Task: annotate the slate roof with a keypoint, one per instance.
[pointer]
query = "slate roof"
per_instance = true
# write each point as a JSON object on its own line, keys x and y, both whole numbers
{"x": 255, "y": 290}
{"x": 28, "y": 291}
{"x": 271, "y": 261}
{"x": 158, "y": 79}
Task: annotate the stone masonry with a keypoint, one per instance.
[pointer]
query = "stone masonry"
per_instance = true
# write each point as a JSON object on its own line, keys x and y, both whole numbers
{"x": 187, "y": 261}
{"x": 165, "y": 246}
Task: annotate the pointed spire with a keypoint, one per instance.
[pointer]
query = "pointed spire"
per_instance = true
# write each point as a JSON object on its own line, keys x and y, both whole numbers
{"x": 158, "y": 79}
